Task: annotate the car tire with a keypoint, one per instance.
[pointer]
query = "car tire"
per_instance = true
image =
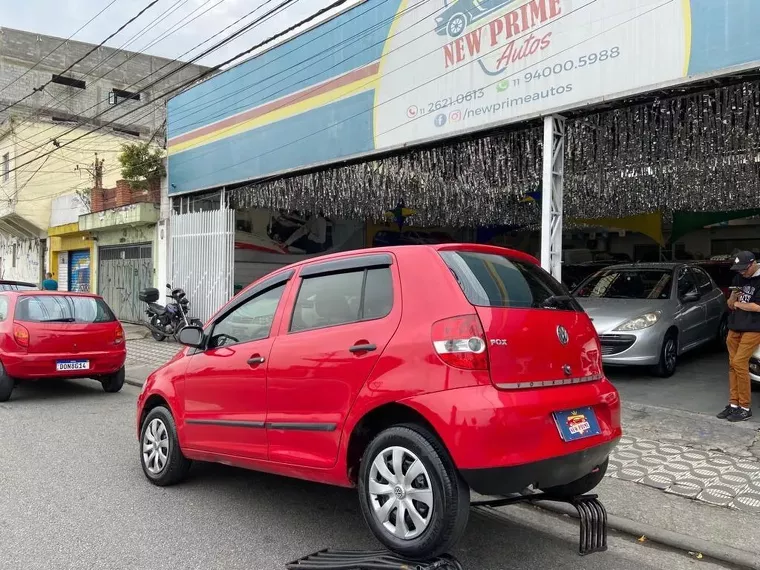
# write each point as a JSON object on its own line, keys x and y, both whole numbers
{"x": 456, "y": 25}
{"x": 155, "y": 323}
{"x": 720, "y": 341}
{"x": 6, "y": 385}
{"x": 158, "y": 426}
{"x": 668, "y": 362}
{"x": 113, "y": 382}
{"x": 443, "y": 505}
{"x": 580, "y": 486}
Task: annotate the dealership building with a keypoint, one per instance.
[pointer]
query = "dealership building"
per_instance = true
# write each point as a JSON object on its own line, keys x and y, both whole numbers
{"x": 565, "y": 128}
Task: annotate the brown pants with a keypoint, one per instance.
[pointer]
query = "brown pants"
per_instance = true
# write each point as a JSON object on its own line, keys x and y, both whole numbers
{"x": 741, "y": 346}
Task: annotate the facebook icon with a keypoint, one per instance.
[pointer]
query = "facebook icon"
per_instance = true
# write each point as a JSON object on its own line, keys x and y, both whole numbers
{"x": 440, "y": 120}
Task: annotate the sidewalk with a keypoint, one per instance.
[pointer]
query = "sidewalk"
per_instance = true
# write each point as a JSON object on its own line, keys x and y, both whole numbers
{"x": 673, "y": 473}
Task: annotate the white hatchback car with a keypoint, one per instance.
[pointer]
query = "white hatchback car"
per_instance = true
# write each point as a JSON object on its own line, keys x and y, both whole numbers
{"x": 754, "y": 367}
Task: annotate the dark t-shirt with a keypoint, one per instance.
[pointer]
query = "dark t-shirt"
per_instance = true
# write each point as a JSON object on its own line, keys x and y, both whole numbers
{"x": 745, "y": 321}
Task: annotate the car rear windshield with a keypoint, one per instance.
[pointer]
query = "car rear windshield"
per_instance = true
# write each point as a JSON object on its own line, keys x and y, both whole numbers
{"x": 490, "y": 280}
{"x": 63, "y": 309}
{"x": 627, "y": 284}
{"x": 17, "y": 287}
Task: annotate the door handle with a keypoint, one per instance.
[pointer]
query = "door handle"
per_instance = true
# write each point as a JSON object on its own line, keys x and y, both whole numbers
{"x": 253, "y": 360}
{"x": 362, "y": 348}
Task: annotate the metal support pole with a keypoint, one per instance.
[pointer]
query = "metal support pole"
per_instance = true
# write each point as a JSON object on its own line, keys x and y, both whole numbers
{"x": 551, "y": 195}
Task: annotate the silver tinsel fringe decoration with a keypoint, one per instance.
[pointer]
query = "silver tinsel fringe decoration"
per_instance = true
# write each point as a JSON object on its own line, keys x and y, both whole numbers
{"x": 696, "y": 153}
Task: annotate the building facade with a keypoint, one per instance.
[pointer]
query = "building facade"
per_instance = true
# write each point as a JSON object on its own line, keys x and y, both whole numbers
{"x": 40, "y": 160}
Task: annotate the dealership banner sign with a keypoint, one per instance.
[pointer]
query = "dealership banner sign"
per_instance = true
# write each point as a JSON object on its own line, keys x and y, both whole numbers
{"x": 390, "y": 73}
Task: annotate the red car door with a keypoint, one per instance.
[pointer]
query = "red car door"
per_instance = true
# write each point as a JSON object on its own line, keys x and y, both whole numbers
{"x": 344, "y": 313}
{"x": 226, "y": 384}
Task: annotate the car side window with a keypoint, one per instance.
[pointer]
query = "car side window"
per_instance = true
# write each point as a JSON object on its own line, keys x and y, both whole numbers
{"x": 342, "y": 298}
{"x": 704, "y": 282}
{"x": 248, "y": 322}
{"x": 686, "y": 283}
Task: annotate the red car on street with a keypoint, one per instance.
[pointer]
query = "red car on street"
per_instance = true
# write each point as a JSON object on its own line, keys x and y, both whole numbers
{"x": 51, "y": 334}
{"x": 414, "y": 373}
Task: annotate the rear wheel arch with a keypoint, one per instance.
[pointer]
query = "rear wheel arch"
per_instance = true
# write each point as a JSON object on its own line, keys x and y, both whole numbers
{"x": 376, "y": 421}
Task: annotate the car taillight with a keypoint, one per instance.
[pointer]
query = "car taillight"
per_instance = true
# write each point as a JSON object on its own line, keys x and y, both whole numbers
{"x": 119, "y": 335}
{"x": 21, "y": 335}
{"x": 461, "y": 342}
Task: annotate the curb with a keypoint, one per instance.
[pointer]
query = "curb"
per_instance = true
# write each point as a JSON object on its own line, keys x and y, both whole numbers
{"x": 709, "y": 549}
{"x": 135, "y": 383}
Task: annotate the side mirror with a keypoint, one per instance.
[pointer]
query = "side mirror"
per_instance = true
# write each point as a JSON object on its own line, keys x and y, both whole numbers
{"x": 191, "y": 336}
{"x": 691, "y": 297}
{"x": 168, "y": 285}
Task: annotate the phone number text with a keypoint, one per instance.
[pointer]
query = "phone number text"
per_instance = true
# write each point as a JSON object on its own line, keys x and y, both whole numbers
{"x": 579, "y": 63}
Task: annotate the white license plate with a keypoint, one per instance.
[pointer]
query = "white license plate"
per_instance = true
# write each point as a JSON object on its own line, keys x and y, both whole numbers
{"x": 65, "y": 365}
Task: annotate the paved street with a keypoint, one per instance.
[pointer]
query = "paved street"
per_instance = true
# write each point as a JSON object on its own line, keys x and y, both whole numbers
{"x": 72, "y": 495}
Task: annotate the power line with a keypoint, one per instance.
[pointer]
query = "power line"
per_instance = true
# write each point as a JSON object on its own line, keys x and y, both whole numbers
{"x": 227, "y": 129}
{"x": 173, "y": 8}
{"x": 437, "y": 78}
{"x": 58, "y": 46}
{"x": 209, "y": 71}
{"x": 48, "y": 82}
{"x": 206, "y": 52}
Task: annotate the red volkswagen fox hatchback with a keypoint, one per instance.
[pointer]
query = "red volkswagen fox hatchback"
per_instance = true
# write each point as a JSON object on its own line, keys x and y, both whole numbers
{"x": 414, "y": 373}
{"x": 49, "y": 334}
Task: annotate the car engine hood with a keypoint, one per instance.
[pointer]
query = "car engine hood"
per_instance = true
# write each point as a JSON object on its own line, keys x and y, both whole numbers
{"x": 608, "y": 314}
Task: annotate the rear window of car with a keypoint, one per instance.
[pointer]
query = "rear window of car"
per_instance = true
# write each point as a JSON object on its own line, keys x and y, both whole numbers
{"x": 17, "y": 287}
{"x": 490, "y": 280}
{"x": 63, "y": 309}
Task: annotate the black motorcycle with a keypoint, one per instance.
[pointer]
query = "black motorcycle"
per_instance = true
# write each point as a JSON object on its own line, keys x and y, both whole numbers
{"x": 171, "y": 319}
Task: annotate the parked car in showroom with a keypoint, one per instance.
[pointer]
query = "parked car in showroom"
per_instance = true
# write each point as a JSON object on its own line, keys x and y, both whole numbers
{"x": 754, "y": 367}
{"x": 483, "y": 375}
{"x": 649, "y": 314}
{"x": 57, "y": 335}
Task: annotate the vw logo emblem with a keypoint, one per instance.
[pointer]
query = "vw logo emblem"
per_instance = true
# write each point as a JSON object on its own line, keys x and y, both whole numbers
{"x": 562, "y": 335}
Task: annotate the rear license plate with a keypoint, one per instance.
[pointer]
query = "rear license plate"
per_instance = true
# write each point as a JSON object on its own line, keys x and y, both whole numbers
{"x": 66, "y": 365}
{"x": 577, "y": 424}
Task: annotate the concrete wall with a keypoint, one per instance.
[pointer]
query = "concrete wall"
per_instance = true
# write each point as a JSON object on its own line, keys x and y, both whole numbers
{"x": 66, "y": 210}
{"x": 27, "y": 264}
{"x": 20, "y": 50}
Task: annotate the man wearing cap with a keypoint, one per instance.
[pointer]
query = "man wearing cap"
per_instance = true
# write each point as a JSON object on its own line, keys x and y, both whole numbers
{"x": 743, "y": 335}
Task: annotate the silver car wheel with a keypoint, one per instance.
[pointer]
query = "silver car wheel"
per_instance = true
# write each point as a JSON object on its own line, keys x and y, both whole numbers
{"x": 155, "y": 446}
{"x": 400, "y": 493}
{"x": 670, "y": 354}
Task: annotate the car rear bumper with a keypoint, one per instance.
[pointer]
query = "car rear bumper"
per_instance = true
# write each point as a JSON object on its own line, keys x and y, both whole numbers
{"x": 37, "y": 366}
{"x": 541, "y": 474}
{"x": 494, "y": 435}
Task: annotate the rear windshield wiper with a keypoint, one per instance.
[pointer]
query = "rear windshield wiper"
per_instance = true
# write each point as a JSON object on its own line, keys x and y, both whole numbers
{"x": 64, "y": 320}
{"x": 556, "y": 300}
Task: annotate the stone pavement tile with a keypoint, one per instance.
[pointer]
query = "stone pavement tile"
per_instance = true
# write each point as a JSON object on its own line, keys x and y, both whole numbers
{"x": 712, "y": 477}
{"x": 650, "y": 506}
{"x": 689, "y": 429}
{"x": 149, "y": 351}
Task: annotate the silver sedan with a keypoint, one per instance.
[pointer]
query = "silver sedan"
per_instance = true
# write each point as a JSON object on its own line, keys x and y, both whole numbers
{"x": 650, "y": 314}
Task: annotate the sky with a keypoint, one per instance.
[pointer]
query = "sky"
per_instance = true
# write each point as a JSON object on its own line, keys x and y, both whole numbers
{"x": 171, "y": 28}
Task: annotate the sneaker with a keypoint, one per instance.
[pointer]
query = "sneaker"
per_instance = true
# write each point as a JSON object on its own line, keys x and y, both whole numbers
{"x": 727, "y": 412}
{"x": 740, "y": 415}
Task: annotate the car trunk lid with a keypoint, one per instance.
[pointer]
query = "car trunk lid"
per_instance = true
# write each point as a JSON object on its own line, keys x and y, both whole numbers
{"x": 536, "y": 334}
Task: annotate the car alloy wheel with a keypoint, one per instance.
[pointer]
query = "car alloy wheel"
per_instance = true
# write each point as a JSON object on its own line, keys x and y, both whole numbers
{"x": 155, "y": 446}
{"x": 670, "y": 352}
{"x": 400, "y": 493}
